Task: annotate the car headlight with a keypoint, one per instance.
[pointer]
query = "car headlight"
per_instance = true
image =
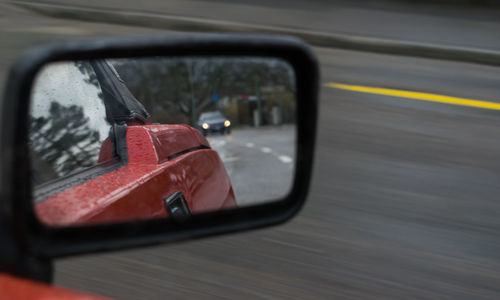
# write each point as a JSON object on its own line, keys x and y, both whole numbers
{"x": 227, "y": 123}
{"x": 205, "y": 126}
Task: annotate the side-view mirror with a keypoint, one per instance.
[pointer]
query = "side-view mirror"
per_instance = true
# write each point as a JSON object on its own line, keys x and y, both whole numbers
{"x": 118, "y": 143}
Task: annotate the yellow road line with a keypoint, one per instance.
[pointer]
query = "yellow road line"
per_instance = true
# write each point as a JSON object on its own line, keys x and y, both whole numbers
{"x": 416, "y": 95}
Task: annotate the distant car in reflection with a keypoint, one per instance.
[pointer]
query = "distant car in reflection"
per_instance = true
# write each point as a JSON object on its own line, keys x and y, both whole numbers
{"x": 213, "y": 122}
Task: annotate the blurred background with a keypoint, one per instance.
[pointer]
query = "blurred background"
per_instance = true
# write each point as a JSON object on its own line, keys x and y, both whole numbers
{"x": 404, "y": 200}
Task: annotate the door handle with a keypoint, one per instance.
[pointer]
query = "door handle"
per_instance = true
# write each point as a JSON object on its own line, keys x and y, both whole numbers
{"x": 177, "y": 206}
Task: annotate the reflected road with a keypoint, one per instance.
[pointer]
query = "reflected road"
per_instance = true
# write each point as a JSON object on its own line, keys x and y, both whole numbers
{"x": 259, "y": 161}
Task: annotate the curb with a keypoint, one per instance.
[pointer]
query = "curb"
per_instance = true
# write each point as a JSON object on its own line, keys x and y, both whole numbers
{"x": 321, "y": 39}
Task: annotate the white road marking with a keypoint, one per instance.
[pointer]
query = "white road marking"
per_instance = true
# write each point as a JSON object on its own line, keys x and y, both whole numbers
{"x": 285, "y": 159}
{"x": 266, "y": 150}
{"x": 250, "y": 145}
{"x": 231, "y": 159}
{"x": 217, "y": 143}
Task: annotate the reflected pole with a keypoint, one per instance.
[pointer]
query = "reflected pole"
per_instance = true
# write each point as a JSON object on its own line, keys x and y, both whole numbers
{"x": 259, "y": 102}
{"x": 191, "y": 92}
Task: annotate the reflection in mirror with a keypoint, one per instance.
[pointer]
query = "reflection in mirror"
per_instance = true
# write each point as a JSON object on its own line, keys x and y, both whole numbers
{"x": 132, "y": 139}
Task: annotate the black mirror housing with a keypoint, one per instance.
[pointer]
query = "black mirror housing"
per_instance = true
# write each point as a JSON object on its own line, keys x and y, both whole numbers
{"x": 45, "y": 242}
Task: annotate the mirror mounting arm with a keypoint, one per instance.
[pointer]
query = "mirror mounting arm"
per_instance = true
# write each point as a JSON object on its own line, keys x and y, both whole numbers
{"x": 16, "y": 261}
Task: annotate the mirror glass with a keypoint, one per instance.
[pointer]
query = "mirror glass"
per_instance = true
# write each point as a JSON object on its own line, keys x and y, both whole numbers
{"x": 116, "y": 140}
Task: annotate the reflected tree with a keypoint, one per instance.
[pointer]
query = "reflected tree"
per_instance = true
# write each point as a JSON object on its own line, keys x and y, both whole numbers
{"x": 177, "y": 90}
{"x": 63, "y": 142}
{"x": 90, "y": 76}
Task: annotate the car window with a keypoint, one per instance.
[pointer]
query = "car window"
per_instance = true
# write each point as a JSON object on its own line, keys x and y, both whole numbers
{"x": 68, "y": 122}
{"x": 212, "y": 116}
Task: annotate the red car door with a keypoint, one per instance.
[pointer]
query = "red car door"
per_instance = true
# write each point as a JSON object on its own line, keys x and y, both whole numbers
{"x": 162, "y": 160}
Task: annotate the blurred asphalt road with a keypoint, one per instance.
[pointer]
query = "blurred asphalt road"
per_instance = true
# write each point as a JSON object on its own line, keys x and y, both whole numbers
{"x": 446, "y": 24}
{"x": 405, "y": 195}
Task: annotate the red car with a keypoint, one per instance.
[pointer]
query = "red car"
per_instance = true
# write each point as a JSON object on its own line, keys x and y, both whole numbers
{"x": 142, "y": 171}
